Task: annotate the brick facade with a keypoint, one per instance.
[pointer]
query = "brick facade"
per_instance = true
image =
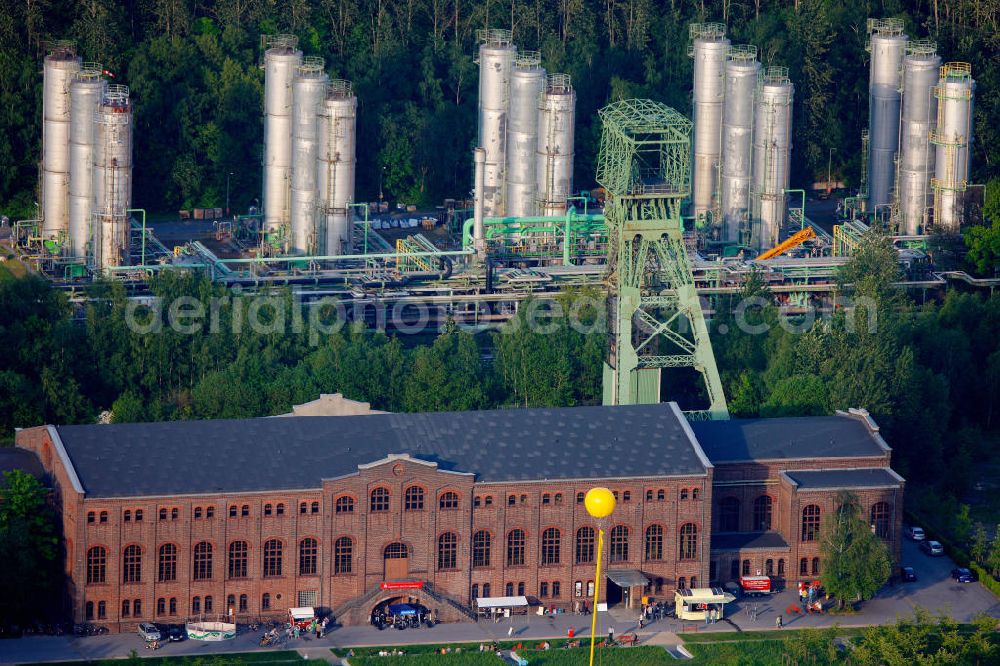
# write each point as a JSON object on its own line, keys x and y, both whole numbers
{"x": 428, "y": 510}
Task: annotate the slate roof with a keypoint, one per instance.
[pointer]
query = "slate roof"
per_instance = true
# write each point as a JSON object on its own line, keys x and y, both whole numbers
{"x": 825, "y": 479}
{"x": 738, "y": 440}
{"x": 227, "y": 456}
{"x": 729, "y": 541}
{"x": 22, "y": 459}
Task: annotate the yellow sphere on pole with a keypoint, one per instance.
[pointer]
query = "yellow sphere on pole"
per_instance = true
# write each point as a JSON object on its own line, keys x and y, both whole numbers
{"x": 600, "y": 502}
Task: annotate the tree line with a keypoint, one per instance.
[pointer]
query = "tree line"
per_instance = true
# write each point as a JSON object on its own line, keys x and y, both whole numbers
{"x": 193, "y": 68}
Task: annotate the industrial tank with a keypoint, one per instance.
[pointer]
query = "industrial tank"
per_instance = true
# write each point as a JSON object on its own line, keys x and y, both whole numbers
{"x": 86, "y": 94}
{"x": 952, "y": 139}
{"x": 527, "y": 82}
{"x": 280, "y": 61}
{"x": 59, "y": 69}
{"x": 556, "y": 118}
{"x": 336, "y": 166}
{"x": 308, "y": 90}
{"x": 710, "y": 49}
{"x": 887, "y": 45}
{"x": 496, "y": 58}
{"x": 772, "y": 145}
{"x": 742, "y": 70}
{"x": 916, "y": 155}
{"x": 112, "y": 178}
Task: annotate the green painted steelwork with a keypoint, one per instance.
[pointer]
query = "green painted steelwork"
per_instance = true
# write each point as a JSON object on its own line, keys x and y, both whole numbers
{"x": 573, "y": 226}
{"x": 655, "y": 316}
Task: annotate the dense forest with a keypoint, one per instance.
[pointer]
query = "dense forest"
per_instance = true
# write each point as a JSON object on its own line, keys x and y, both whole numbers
{"x": 193, "y": 67}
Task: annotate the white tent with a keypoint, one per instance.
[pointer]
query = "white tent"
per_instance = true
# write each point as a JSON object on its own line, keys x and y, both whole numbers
{"x": 302, "y": 614}
{"x": 502, "y": 602}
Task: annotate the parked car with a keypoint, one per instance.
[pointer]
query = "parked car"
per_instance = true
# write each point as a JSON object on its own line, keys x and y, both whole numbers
{"x": 907, "y": 574}
{"x": 963, "y": 575}
{"x": 916, "y": 533}
{"x": 932, "y": 548}
{"x": 176, "y": 632}
{"x": 149, "y": 632}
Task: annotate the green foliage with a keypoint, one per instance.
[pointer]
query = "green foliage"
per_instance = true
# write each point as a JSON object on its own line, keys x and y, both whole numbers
{"x": 29, "y": 550}
{"x": 856, "y": 563}
{"x": 983, "y": 243}
{"x": 926, "y": 640}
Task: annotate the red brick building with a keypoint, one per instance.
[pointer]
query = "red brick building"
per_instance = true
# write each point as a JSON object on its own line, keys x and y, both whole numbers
{"x": 164, "y": 521}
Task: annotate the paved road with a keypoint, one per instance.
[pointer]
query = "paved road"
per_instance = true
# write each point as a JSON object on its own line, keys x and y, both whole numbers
{"x": 934, "y": 590}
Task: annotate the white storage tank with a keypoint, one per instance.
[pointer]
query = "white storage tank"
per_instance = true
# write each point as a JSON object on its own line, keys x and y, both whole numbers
{"x": 280, "y": 62}
{"x": 887, "y": 45}
{"x": 527, "y": 82}
{"x": 496, "y": 59}
{"x": 86, "y": 93}
{"x": 952, "y": 138}
{"x": 336, "y": 166}
{"x": 772, "y": 147}
{"x": 556, "y": 118}
{"x": 710, "y": 50}
{"x": 58, "y": 71}
{"x": 742, "y": 70}
{"x": 308, "y": 91}
{"x": 916, "y": 154}
{"x": 112, "y": 178}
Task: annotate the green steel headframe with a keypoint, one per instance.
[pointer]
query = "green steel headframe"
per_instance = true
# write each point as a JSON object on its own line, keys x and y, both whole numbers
{"x": 654, "y": 313}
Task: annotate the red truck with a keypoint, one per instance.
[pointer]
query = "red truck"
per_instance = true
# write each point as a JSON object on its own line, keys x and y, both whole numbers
{"x": 755, "y": 585}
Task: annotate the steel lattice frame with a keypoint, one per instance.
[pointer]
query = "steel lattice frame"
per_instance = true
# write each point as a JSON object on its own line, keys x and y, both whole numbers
{"x": 654, "y": 313}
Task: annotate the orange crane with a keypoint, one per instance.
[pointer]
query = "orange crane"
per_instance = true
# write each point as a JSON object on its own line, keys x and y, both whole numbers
{"x": 796, "y": 239}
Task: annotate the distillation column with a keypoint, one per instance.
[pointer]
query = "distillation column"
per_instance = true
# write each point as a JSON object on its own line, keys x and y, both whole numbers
{"x": 280, "y": 62}
{"x": 527, "y": 83}
{"x": 556, "y": 118}
{"x": 772, "y": 146}
{"x": 112, "y": 178}
{"x": 709, "y": 48}
{"x": 496, "y": 59}
{"x": 952, "y": 138}
{"x": 86, "y": 94}
{"x": 742, "y": 70}
{"x": 916, "y": 155}
{"x": 337, "y": 140}
{"x": 59, "y": 69}
{"x": 308, "y": 90}
{"x": 887, "y": 45}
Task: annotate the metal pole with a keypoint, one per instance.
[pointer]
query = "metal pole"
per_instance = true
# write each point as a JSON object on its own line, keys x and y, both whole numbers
{"x": 597, "y": 592}
{"x": 227, "y": 192}
{"x": 143, "y": 211}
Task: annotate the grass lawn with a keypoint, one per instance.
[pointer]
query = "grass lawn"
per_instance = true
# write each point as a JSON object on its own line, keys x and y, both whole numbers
{"x": 255, "y": 658}
{"x": 749, "y": 653}
{"x": 637, "y": 656}
{"x": 728, "y": 636}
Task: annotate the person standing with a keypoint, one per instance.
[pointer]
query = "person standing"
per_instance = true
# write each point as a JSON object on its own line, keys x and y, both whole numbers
{"x": 778, "y": 622}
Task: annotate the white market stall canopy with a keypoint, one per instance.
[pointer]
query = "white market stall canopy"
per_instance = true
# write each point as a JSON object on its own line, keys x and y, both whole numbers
{"x": 502, "y": 602}
{"x": 305, "y": 613}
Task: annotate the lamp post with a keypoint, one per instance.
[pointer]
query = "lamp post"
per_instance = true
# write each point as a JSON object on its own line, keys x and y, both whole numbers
{"x": 381, "y": 174}
{"x": 599, "y": 502}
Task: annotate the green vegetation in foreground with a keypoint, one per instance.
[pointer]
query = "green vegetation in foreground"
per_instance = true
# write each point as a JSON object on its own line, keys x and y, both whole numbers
{"x": 255, "y": 658}
{"x": 637, "y": 656}
{"x": 750, "y": 636}
{"x": 745, "y": 653}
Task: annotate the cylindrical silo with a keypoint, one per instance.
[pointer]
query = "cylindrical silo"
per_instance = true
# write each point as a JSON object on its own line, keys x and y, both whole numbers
{"x": 59, "y": 70}
{"x": 86, "y": 93}
{"x": 887, "y": 45}
{"x": 496, "y": 58}
{"x": 478, "y": 226}
{"x": 554, "y": 166}
{"x": 916, "y": 155}
{"x": 338, "y": 114}
{"x": 280, "y": 62}
{"x": 772, "y": 146}
{"x": 710, "y": 49}
{"x": 527, "y": 82}
{"x": 308, "y": 91}
{"x": 952, "y": 138}
{"x": 742, "y": 70}
{"x": 112, "y": 178}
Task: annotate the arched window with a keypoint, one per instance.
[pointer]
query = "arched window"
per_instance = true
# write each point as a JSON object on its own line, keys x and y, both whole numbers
{"x": 231, "y": 603}
{"x": 515, "y": 548}
{"x": 682, "y": 583}
{"x": 746, "y": 567}
{"x": 769, "y": 567}
{"x": 163, "y": 514}
{"x": 208, "y": 604}
{"x": 551, "y": 541}
{"x": 132, "y": 565}
{"x": 649, "y": 495}
{"x": 627, "y": 496}
{"x": 694, "y": 582}
{"x": 238, "y": 555}
{"x": 173, "y": 605}
{"x": 280, "y": 509}
{"x": 477, "y": 501}
{"x": 414, "y": 499}
{"x": 654, "y": 542}
{"x": 781, "y": 567}
{"x": 810, "y": 523}
{"x": 138, "y": 519}
{"x": 661, "y": 495}
{"x": 486, "y": 589}
{"x": 265, "y": 601}
{"x": 880, "y": 519}
{"x": 475, "y": 590}
{"x": 244, "y": 512}
{"x": 244, "y": 603}
{"x": 233, "y": 512}
{"x": 272, "y": 558}
{"x": 684, "y": 493}
{"x": 102, "y": 610}
{"x": 97, "y": 565}
{"x": 126, "y": 606}
{"x": 174, "y": 514}
{"x": 395, "y": 551}
{"x": 481, "y": 546}
{"x": 447, "y": 551}
{"x": 520, "y": 589}
{"x": 268, "y": 509}
{"x": 161, "y": 606}
{"x": 345, "y": 504}
{"x": 380, "y": 500}
{"x": 203, "y": 561}
{"x": 619, "y": 544}
{"x": 91, "y": 517}
{"x": 104, "y": 517}
{"x": 488, "y": 502}
{"x": 90, "y": 610}
{"x": 511, "y": 500}
{"x": 729, "y": 514}
{"x": 197, "y": 513}
{"x": 343, "y": 551}
{"x": 689, "y": 541}
{"x": 815, "y": 566}
{"x": 196, "y": 605}
{"x": 308, "y": 549}
{"x": 585, "y": 545}
{"x": 557, "y": 498}
{"x": 314, "y": 507}
{"x": 694, "y": 495}
{"x": 578, "y": 588}
{"x": 546, "y": 498}
{"x": 449, "y": 500}
{"x": 166, "y": 569}
{"x": 579, "y": 498}
{"x": 127, "y": 516}
{"x": 762, "y": 507}
{"x": 509, "y": 589}
{"x": 303, "y": 507}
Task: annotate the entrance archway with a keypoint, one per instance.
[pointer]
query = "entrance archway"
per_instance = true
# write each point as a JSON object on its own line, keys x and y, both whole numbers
{"x": 396, "y": 560}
